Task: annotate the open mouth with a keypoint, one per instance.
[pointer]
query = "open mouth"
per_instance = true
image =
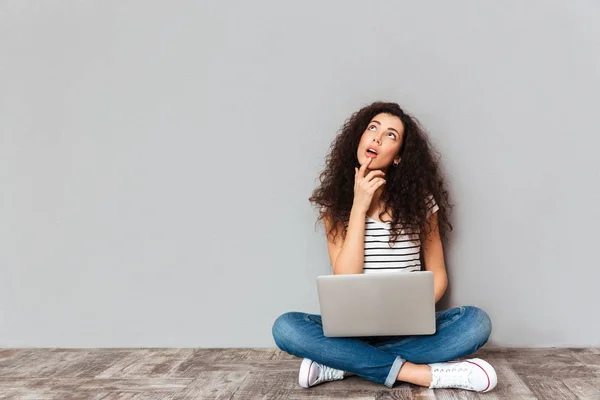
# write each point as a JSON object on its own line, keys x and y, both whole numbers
{"x": 370, "y": 153}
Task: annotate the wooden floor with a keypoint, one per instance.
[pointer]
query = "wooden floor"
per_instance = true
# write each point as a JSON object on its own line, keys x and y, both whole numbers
{"x": 237, "y": 373}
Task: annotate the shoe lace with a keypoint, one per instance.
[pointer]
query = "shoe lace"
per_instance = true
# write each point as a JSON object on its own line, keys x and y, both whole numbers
{"x": 455, "y": 376}
{"x": 329, "y": 374}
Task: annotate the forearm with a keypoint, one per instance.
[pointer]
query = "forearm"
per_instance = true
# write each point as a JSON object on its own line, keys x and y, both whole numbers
{"x": 440, "y": 283}
{"x": 352, "y": 255}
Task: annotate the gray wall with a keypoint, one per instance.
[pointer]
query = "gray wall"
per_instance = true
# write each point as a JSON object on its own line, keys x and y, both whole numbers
{"x": 157, "y": 158}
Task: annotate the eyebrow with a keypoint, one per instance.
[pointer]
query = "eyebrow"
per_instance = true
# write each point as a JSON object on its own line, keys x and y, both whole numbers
{"x": 388, "y": 128}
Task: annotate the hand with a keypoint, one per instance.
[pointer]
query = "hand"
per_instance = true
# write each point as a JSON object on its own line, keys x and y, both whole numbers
{"x": 365, "y": 186}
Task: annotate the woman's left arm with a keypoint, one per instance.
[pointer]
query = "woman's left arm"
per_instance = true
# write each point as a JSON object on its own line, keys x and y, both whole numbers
{"x": 433, "y": 255}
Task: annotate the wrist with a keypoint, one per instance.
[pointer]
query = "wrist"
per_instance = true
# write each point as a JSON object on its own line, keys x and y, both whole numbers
{"x": 358, "y": 210}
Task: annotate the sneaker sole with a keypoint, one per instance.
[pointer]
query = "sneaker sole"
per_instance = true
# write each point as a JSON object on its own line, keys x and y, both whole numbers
{"x": 304, "y": 374}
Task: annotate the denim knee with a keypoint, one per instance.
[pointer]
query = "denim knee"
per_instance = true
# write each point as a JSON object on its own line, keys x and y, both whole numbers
{"x": 481, "y": 324}
{"x": 283, "y": 329}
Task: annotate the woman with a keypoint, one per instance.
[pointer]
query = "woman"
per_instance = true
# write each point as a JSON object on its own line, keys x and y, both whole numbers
{"x": 382, "y": 184}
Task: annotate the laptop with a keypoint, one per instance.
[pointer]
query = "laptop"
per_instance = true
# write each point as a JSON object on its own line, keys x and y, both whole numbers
{"x": 377, "y": 304}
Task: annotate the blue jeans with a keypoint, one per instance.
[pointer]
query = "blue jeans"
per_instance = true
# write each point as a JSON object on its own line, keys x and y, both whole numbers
{"x": 460, "y": 331}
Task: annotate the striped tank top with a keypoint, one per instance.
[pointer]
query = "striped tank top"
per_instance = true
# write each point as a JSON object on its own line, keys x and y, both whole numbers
{"x": 403, "y": 256}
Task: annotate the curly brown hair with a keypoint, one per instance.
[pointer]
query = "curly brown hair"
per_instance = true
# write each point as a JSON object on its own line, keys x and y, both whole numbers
{"x": 407, "y": 186}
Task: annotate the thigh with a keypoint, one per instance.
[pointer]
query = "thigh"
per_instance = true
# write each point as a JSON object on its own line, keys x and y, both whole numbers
{"x": 380, "y": 342}
{"x": 450, "y": 341}
{"x": 442, "y": 318}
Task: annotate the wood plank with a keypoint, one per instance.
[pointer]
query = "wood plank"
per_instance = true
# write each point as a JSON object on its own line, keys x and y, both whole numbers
{"x": 88, "y": 364}
{"x": 215, "y": 385}
{"x": 265, "y": 373}
{"x": 589, "y": 356}
{"x": 510, "y": 385}
{"x": 583, "y": 388}
{"x": 38, "y": 363}
{"x": 148, "y": 363}
{"x": 42, "y": 388}
{"x": 170, "y": 385}
{"x": 545, "y": 388}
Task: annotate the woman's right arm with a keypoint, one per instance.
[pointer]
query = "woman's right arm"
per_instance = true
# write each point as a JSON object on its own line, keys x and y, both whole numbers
{"x": 347, "y": 256}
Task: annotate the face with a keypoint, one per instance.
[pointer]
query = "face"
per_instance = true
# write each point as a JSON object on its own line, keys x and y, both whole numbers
{"x": 384, "y": 134}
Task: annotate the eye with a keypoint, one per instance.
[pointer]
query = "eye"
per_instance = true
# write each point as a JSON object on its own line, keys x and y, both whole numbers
{"x": 393, "y": 134}
{"x": 372, "y": 126}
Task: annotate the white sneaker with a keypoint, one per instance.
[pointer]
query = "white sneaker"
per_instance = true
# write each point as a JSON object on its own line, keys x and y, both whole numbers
{"x": 313, "y": 373}
{"x": 472, "y": 374}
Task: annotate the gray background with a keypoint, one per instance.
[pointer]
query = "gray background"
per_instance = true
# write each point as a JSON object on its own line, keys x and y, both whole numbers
{"x": 157, "y": 158}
